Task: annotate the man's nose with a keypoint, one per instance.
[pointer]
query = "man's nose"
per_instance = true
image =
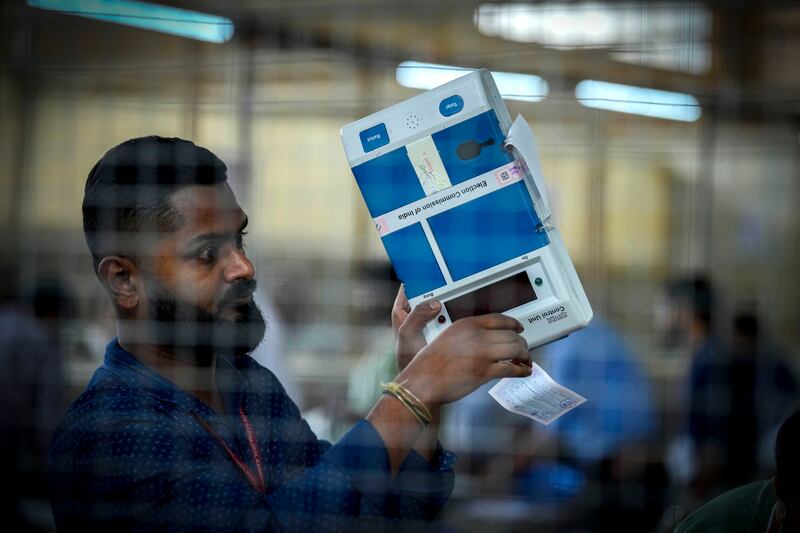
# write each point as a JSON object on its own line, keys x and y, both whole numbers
{"x": 239, "y": 267}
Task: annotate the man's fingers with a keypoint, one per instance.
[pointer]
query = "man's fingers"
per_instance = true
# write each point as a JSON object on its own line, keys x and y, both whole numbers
{"x": 507, "y": 369}
{"x": 501, "y": 344}
{"x": 400, "y": 301}
{"x": 525, "y": 353}
{"x": 398, "y": 317}
{"x": 498, "y": 321}
{"x": 419, "y": 316}
{"x": 516, "y": 349}
{"x": 513, "y": 348}
{"x": 400, "y": 309}
{"x": 501, "y": 336}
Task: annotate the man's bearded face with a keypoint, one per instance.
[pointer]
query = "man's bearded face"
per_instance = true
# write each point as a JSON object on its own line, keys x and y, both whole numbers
{"x": 198, "y": 283}
{"x": 186, "y": 328}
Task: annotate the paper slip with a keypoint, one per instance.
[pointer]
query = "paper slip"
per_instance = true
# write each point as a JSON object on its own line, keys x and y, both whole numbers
{"x": 538, "y": 396}
{"x": 428, "y": 165}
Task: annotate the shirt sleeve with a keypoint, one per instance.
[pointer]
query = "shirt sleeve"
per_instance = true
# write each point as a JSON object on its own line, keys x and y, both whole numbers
{"x": 125, "y": 473}
{"x": 425, "y": 487}
{"x": 417, "y": 493}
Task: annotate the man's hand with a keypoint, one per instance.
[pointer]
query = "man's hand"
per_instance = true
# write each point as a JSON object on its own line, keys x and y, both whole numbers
{"x": 463, "y": 357}
{"x": 466, "y": 355}
{"x": 408, "y": 325}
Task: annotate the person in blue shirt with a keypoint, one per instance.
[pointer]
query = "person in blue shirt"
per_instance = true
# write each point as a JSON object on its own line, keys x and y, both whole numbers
{"x": 181, "y": 430}
{"x": 597, "y": 363}
{"x": 736, "y": 392}
{"x": 599, "y": 452}
{"x": 609, "y": 439}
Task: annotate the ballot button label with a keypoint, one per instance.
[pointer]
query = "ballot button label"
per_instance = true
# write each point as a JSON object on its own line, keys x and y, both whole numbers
{"x": 374, "y": 137}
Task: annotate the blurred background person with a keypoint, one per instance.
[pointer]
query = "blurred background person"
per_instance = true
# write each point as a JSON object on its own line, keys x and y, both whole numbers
{"x": 762, "y": 376}
{"x": 700, "y": 456}
{"x": 599, "y": 460}
{"x": 32, "y": 394}
{"x": 771, "y": 506}
{"x": 737, "y": 392}
{"x": 612, "y": 437}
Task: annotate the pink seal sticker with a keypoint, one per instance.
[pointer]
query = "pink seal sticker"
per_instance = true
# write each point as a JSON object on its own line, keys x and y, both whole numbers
{"x": 381, "y": 226}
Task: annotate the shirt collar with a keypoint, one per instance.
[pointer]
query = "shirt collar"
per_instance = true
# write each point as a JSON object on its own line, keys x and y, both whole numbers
{"x": 229, "y": 375}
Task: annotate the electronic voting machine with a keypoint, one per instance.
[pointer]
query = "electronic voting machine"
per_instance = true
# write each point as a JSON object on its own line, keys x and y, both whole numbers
{"x": 456, "y": 194}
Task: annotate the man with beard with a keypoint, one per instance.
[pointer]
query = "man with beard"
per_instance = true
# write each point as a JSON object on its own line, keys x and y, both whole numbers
{"x": 180, "y": 429}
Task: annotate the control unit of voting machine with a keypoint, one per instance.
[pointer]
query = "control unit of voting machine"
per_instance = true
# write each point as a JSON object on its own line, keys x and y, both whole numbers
{"x": 456, "y": 193}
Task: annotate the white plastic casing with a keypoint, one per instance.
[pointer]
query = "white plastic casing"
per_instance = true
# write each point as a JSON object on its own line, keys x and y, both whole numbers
{"x": 560, "y": 306}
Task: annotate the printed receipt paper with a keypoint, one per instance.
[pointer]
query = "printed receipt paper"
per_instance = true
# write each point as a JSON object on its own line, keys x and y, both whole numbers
{"x": 538, "y": 396}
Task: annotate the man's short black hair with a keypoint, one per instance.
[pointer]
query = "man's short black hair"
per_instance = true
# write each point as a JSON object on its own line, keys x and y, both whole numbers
{"x": 127, "y": 194}
{"x": 697, "y": 293}
{"x": 787, "y": 459}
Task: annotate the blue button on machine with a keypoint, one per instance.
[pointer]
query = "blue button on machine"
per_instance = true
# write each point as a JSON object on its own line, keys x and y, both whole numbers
{"x": 374, "y": 137}
{"x": 451, "y": 105}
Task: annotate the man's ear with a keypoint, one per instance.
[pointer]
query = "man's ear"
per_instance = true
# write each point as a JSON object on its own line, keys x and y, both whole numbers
{"x": 120, "y": 278}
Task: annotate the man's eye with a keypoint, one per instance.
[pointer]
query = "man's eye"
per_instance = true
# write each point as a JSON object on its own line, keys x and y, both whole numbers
{"x": 208, "y": 254}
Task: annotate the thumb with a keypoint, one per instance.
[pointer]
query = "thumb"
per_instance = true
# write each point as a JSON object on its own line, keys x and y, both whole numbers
{"x": 421, "y": 315}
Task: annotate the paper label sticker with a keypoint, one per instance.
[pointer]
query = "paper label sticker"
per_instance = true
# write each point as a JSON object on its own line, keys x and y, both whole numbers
{"x": 538, "y": 396}
{"x": 428, "y": 165}
{"x": 509, "y": 173}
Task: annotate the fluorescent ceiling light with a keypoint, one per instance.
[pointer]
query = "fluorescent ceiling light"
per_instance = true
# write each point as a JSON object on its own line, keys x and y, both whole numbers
{"x": 512, "y": 85}
{"x": 671, "y": 36}
{"x": 638, "y": 100}
{"x": 165, "y": 19}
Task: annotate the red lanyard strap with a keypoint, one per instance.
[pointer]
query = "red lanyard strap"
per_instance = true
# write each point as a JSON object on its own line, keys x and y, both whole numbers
{"x": 251, "y": 439}
{"x": 257, "y": 482}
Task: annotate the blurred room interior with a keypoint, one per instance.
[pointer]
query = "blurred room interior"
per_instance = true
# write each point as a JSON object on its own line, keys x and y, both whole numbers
{"x": 644, "y": 190}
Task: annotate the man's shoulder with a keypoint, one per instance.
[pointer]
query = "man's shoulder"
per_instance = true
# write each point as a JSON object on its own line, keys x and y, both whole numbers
{"x": 108, "y": 400}
{"x": 744, "y": 509}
